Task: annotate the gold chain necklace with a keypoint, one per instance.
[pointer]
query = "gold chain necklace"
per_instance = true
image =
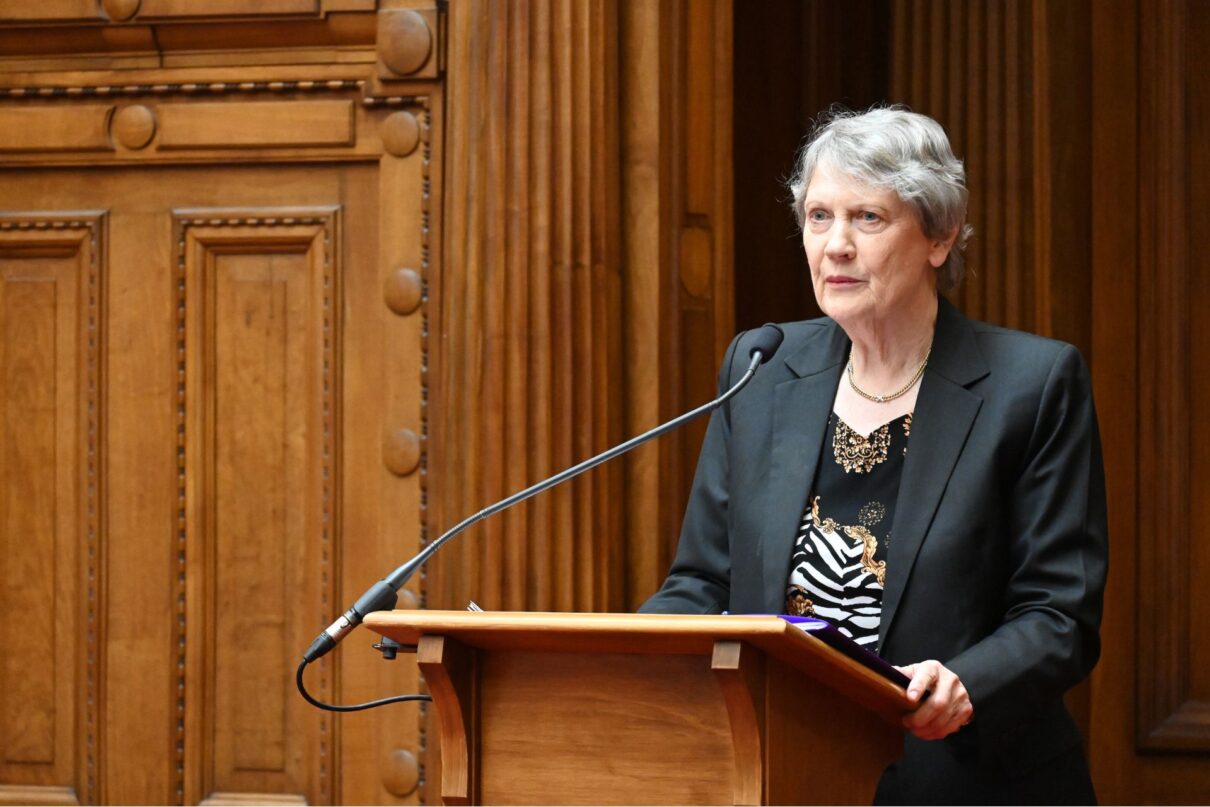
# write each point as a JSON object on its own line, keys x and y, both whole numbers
{"x": 897, "y": 393}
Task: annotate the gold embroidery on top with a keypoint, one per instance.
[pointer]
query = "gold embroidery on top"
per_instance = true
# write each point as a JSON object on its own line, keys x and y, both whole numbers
{"x": 859, "y": 533}
{"x": 859, "y": 454}
{"x": 867, "y": 556}
{"x": 798, "y": 603}
{"x": 907, "y": 431}
{"x": 871, "y": 513}
{"x": 826, "y": 526}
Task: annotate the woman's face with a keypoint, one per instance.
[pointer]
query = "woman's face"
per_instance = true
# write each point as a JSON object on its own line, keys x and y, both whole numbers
{"x": 869, "y": 257}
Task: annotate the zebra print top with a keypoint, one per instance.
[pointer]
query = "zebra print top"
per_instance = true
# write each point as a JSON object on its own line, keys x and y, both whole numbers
{"x": 838, "y": 564}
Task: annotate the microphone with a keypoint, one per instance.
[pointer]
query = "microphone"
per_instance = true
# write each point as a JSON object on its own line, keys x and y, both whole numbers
{"x": 383, "y": 595}
{"x": 766, "y": 342}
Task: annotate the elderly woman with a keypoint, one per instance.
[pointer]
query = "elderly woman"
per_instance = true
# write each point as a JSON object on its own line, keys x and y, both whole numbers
{"x": 929, "y": 484}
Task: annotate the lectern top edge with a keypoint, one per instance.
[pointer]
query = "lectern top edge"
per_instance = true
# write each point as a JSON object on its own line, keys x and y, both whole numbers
{"x": 650, "y": 634}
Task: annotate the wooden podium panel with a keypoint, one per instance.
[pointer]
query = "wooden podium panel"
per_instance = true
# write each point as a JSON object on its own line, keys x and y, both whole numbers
{"x": 623, "y": 723}
{"x": 648, "y": 709}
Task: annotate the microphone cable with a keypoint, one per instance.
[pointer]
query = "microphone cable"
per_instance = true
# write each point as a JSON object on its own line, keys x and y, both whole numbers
{"x": 355, "y": 707}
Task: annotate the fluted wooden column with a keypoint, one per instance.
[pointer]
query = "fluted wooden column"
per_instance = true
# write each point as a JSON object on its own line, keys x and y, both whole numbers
{"x": 530, "y": 355}
{"x": 679, "y": 264}
{"x": 586, "y": 289}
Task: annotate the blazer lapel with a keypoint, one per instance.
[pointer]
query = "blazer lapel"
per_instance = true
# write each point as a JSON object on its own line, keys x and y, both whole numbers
{"x": 800, "y": 419}
{"x": 944, "y": 414}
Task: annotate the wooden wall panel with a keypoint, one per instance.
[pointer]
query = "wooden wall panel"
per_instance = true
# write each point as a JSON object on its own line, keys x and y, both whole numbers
{"x": 316, "y": 123}
{"x": 1062, "y": 105}
{"x": 1174, "y": 691}
{"x": 792, "y": 62}
{"x": 1149, "y": 164}
{"x": 41, "y": 128}
{"x": 1194, "y": 708}
{"x": 1115, "y": 330}
{"x": 986, "y": 111}
{"x": 1086, "y": 220}
{"x": 703, "y": 306}
{"x": 50, "y": 510}
{"x": 261, "y": 408}
{"x": 648, "y": 245}
{"x": 1004, "y": 94}
{"x": 1005, "y": 78}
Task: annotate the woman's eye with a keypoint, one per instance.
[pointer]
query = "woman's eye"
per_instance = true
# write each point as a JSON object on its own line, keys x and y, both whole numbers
{"x": 817, "y": 215}
{"x": 868, "y": 217}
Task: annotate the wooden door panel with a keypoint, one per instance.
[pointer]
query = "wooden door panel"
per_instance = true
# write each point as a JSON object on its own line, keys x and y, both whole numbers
{"x": 236, "y": 373}
{"x": 49, "y": 291}
{"x": 260, "y": 414}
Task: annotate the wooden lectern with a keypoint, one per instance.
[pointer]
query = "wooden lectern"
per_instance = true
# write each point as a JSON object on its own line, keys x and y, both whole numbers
{"x": 545, "y": 708}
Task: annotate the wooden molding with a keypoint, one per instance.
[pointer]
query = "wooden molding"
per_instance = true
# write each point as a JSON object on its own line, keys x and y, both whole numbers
{"x": 224, "y": 799}
{"x": 338, "y": 45}
{"x": 256, "y": 124}
{"x": 74, "y": 92}
{"x": 71, "y": 128}
{"x": 206, "y": 78}
{"x": 408, "y": 43}
{"x": 35, "y": 795}
{"x": 79, "y": 11}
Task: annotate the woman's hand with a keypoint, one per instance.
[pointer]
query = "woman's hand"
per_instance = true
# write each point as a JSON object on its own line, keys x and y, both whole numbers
{"x": 944, "y": 711}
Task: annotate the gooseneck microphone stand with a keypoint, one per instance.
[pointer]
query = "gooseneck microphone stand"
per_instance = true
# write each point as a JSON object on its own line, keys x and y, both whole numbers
{"x": 383, "y": 595}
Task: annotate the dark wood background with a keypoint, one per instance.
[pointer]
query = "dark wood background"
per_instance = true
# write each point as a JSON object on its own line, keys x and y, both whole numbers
{"x": 287, "y": 287}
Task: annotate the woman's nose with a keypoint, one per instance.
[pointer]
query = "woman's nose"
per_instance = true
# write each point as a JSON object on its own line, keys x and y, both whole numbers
{"x": 840, "y": 244}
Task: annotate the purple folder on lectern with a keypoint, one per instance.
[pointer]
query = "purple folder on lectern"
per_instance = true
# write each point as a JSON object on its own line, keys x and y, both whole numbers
{"x": 827, "y": 633}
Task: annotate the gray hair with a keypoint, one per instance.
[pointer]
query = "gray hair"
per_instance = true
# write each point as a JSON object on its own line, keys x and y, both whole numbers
{"x": 893, "y": 148}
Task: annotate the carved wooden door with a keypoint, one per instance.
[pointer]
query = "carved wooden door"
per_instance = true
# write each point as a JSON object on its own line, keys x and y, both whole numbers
{"x": 212, "y": 372}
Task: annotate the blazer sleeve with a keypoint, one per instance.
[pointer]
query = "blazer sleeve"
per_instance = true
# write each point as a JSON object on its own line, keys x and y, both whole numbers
{"x": 1058, "y": 557}
{"x": 699, "y": 581}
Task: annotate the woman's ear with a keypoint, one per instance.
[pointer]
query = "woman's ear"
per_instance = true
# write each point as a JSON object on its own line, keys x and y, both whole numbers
{"x": 939, "y": 250}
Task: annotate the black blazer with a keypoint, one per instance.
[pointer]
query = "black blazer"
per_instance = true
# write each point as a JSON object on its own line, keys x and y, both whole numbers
{"x": 998, "y": 555}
